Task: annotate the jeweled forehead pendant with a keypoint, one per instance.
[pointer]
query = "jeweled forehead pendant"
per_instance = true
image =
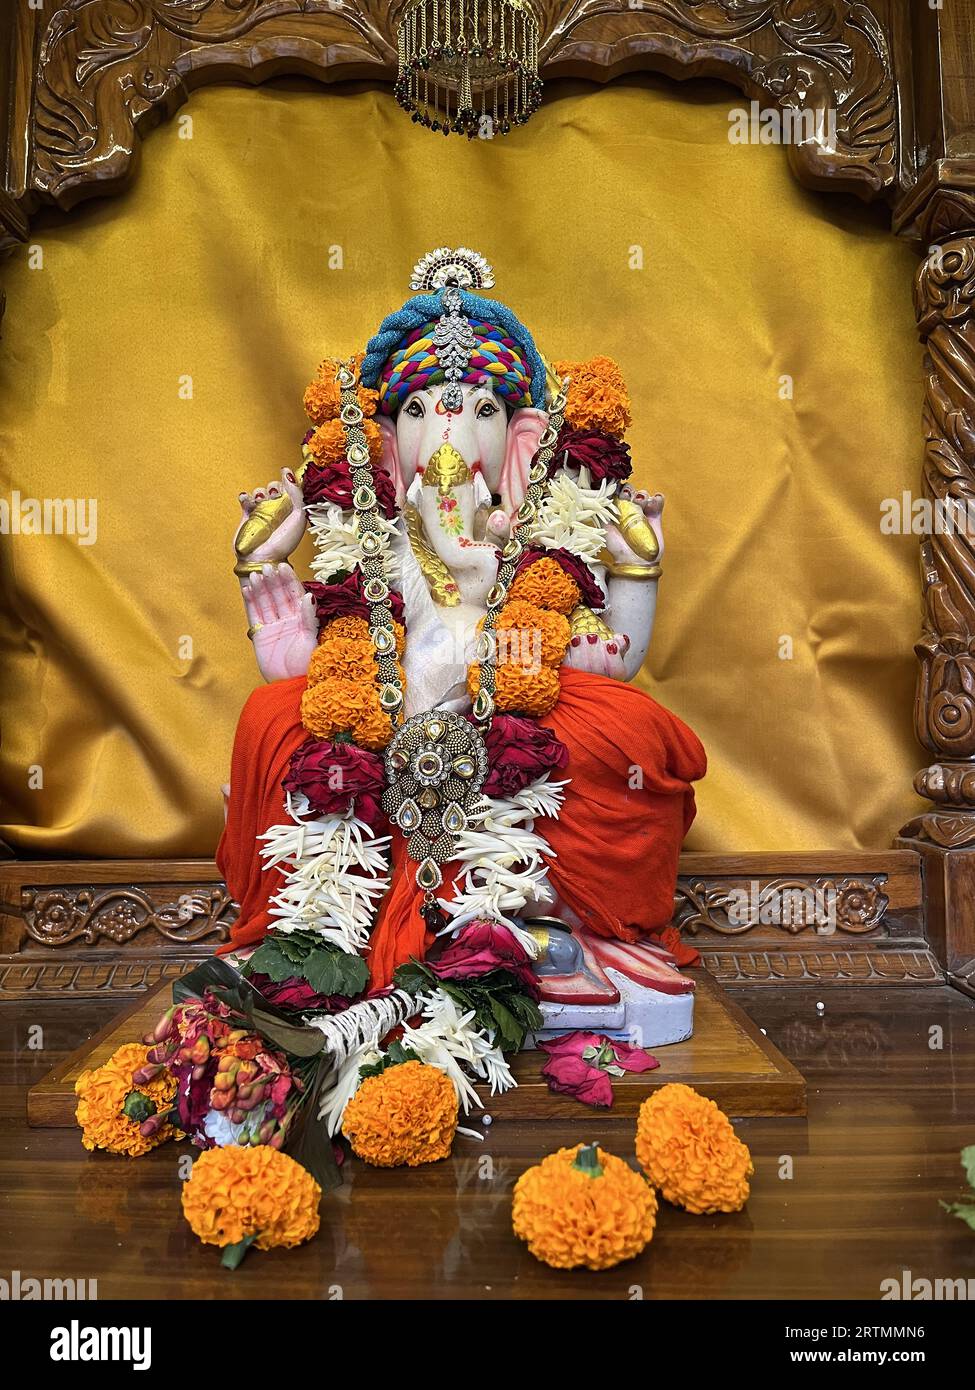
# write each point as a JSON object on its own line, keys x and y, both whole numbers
{"x": 453, "y": 340}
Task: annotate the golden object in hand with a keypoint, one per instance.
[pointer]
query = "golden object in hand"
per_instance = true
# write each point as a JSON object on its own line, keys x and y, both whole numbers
{"x": 637, "y": 531}
{"x": 266, "y": 517}
{"x": 255, "y": 627}
{"x": 583, "y": 622}
{"x": 446, "y": 469}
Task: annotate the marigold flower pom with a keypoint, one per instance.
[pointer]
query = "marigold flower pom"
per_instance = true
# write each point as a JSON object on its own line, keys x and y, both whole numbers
{"x": 406, "y": 1114}
{"x": 250, "y": 1194}
{"x": 323, "y": 396}
{"x": 103, "y": 1094}
{"x": 519, "y": 691}
{"x": 598, "y": 398}
{"x": 346, "y": 707}
{"x": 358, "y": 628}
{"x": 545, "y": 584}
{"x": 327, "y": 444}
{"x": 345, "y": 658}
{"x": 542, "y": 636}
{"x": 688, "y": 1148}
{"x": 583, "y": 1206}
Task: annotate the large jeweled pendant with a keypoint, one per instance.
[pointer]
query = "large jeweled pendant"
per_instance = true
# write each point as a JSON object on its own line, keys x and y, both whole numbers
{"x": 435, "y": 767}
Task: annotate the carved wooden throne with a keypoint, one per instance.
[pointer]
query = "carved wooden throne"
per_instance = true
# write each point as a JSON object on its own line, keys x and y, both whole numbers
{"x": 86, "y": 78}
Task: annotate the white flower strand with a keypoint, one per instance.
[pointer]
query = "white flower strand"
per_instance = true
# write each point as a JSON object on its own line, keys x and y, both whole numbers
{"x": 504, "y": 859}
{"x": 574, "y": 517}
{"x": 449, "y": 1040}
{"x": 338, "y": 873}
{"x": 337, "y": 542}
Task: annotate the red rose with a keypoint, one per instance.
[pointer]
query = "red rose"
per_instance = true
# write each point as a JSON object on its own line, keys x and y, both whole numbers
{"x": 519, "y": 752}
{"x": 590, "y": 594}
{"x": 297, "y": 994}
{"x": 481, "y": 947}
{"x": 331, "y": 775}
{"x": 604, "y": 456}
{"x": 343, "y": 598}
{"x": 333, "y": 483}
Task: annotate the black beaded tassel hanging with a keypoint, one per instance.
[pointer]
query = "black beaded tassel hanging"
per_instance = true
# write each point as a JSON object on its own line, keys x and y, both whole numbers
{"x": 469, "y": 67}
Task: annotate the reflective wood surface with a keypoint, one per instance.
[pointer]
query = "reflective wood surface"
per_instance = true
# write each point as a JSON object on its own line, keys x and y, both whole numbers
{"x": 888, "y": 1114}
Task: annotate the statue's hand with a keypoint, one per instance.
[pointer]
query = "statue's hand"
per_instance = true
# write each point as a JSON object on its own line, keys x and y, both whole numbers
{"x": 283, "y": 621}
{"x": 633, "y": 541}
{"x": 603, "y": 656}
{"x": 273, "y": 521}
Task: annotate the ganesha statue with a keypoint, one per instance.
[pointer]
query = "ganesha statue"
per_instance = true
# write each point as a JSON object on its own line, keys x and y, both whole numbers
{"x": 446, "y": 782}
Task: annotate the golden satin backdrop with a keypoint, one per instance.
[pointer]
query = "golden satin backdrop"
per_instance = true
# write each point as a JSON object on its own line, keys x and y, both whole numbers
{"x": 620, "y": 221}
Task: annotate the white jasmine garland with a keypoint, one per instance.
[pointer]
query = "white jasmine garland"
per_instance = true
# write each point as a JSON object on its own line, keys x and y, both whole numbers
{"x": 574, "y": 516}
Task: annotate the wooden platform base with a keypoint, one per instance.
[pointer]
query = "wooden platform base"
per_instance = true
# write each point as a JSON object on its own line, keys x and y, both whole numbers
{"x": 728, "y": 1059}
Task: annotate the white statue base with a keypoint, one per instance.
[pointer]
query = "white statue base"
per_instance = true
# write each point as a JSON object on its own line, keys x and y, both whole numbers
{"x": 646, "y": 1017}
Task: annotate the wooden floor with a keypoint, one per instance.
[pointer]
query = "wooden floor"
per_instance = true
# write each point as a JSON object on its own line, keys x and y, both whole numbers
{"x": 888, "y": 1115}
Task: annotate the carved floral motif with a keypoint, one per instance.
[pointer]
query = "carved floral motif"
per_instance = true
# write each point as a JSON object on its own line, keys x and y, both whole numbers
{"x": 821, "y": 904}
{"x": 59, "y": 916}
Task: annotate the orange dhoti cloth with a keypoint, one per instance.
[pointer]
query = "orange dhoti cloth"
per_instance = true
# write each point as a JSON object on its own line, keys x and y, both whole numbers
{"x": 615, "y": 844}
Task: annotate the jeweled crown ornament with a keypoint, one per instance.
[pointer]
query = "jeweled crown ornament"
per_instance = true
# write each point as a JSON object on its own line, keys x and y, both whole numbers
{"x": 469, "y": 66}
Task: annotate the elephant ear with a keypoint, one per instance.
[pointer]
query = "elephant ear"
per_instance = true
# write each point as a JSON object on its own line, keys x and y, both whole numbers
{"x": 525, "y": 429}
{"x": 391, "y": 461}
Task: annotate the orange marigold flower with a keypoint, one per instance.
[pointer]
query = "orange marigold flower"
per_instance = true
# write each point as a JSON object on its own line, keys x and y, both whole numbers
{"x": 406, "y": 1114}
{"x": 348, "y": 658}
{"x": 323, "y": 396}
{"x": 235, "y": 1192}
{"x": 583, "y": 1206}
{"x": 545, "y": 584}
{"x": 339, "y": 706}
{"x": 598, "y": 398}
{"x": 102, "y": 1093}
{"x": 520, "y": 691}
{"x": 327, "y": 444}
{"x": 534, "y": 635}
{"x": 358, "y": 629}
{"x": 688, "y": 1148}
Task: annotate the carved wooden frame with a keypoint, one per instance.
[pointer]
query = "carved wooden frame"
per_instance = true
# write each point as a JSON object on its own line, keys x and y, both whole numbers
{"x": 86, "y": 78}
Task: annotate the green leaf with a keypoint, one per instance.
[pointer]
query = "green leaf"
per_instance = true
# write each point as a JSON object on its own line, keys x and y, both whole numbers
{"x": 330, "y": 971}
{"x": 968, "y": 1163}
{"x": 963, "y": 1210}
{"x": 269, "y": 960}
{"x": 510, "y": 1032}
{"x": 395, "y": 1055}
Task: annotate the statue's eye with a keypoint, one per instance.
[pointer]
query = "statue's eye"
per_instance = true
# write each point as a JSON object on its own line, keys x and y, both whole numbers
{"x": 485, "y": 410}
{"x": 414, "y": 408}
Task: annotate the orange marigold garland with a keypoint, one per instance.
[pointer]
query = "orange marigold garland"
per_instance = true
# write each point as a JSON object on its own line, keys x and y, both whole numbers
{"x": 545, "y": 584}
{"x": 534, "y": 635}
{"x": 111, "y": 1110}
{"x": 598, "y": 398}
{"x": 518, "y": 691}
{"x": 406, "y": 1114}
{"x": 327, "y": 444}
{"x": 236, "y": 1197}
{"x": 583, "y": 1206}
{"x": 688, "y": 1148}
{"x": 323, "y": 396}
{"x": 338, "y": 706}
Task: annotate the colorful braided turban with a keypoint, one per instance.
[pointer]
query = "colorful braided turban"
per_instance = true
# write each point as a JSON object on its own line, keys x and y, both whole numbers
{"x": 496, "y": 361}
{"x": 400, "y": 358}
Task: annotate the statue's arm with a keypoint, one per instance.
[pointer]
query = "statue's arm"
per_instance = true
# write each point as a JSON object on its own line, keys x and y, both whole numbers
{"x": 281, "y": 616}
{"x": 635, "y": 547}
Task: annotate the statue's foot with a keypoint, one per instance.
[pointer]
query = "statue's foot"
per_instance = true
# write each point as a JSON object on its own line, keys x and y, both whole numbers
{"x": 568, "y": 971}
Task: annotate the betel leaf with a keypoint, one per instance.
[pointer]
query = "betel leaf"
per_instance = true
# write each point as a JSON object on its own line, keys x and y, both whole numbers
{"x": 331, "y": 971}
{"x": 271, "y": 961}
